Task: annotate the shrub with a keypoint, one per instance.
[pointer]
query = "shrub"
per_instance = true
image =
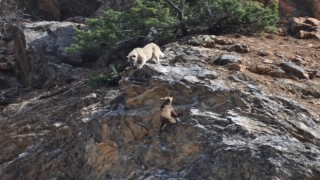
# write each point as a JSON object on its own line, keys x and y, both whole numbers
{"x": 98, "y": 81}
{"x": 117, "y": 28}
{"x": 159, "y": 20}
{"x": 246, "y": 15}
{"x": 111, "y": 78}
{"x": 103, "y": 31}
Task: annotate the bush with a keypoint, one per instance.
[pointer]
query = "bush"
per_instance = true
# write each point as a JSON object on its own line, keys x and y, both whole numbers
{"x": 117, "y": 28}
{"x": 159, "y": 21}
{"x": 244, "y": 15}
{"x": 98, "y": 81}
{"x": 111, "y": 78}
{"x": 103, "y": 31}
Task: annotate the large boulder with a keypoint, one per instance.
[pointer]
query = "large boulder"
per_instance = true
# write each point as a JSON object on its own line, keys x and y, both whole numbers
{"x": 39, "y": 54}
{"x": 50, "y": 39}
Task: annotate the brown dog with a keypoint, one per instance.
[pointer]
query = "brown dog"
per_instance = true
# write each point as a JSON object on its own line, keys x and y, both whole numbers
{"x": 168, "y": 114}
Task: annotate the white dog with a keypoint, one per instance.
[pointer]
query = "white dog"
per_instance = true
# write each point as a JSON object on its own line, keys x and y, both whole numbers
{"x": 139, "y": 56}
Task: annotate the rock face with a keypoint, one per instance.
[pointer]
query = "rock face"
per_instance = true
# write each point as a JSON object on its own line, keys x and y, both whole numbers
{"x": 294, "y": 70}
{"x": 231, "y": 127}
{"x": 7, "y": 60}
{"x": 50, "y": 38}
{"x": 305, "y": 28}
{"x": 291, "y": 8}
{"x": 39, "y": 51}
{"x": 314, "y": 5}
{"x": 59, "y": 10}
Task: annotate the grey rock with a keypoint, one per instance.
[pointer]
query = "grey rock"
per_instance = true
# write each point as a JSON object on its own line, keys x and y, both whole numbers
{"x": 202, "y": 40}
{"x": 228, "y": 58}
{"x": 76, "y": 19}
{"x": 294, "y": 70}
{"x": 222, "y": 41}
{"x": 312, "y": 73}
{"x": 264, "y": 53}
{"x": 277, "y": 72}
{"x": 50, "y": 39}
{"x": 229, "y": 128}
{"x": 39, "y": 54}
{"x": 240, "y": 48}
{"x": 266, "y": 69}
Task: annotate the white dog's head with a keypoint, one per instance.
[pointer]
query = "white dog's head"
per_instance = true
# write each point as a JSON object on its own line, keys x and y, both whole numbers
{"x": 133, "y": 59}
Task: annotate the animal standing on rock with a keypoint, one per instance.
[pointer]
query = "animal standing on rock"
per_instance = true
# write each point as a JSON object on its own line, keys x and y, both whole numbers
{"x": 167, "y": 113}
{"x": 138, "y": 57}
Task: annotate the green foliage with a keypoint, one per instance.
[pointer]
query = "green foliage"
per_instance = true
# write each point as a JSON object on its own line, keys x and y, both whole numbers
{"x": 110, "y": 79}
{"x": 112, "y": 76}
{"x": 116, "y": 28}
{"x": 104, "y": 31}
{"x": 158, "y": 18}
{"x": 250, "y": 16}
{"x": 98, "y": 81}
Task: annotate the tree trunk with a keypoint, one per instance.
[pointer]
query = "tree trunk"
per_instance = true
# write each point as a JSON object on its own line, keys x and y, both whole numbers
{"x": 180, "y": 11}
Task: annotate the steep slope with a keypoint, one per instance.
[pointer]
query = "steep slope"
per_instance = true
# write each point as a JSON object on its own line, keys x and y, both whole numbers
{"x": 248, "y": 105}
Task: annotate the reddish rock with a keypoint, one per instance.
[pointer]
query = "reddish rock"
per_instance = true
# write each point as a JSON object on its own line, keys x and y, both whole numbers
{"x": 315, "y": 8}
{"x": 298, "y": 24}
{"x": 309, "y": 35}
{"x": 260, "y": 69}
{"x": 312, "y": 21}
{"x": 278, "y": 73}
{"x": 239, "y": 48}
{"x": 291, "y": 8}
{"x": 235, "y": 67}
{"x": 269, "y": 70}
{"x": 264, "y": 53}
{"x": 61, "y": 9}
{"x": 305, "y": 28}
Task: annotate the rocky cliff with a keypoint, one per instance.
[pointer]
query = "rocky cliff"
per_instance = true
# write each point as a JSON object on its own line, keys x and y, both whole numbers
{"x": 248, "y": 105}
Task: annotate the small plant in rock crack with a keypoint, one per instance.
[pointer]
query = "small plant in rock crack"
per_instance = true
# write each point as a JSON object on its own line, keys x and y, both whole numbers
{"x": 110, "y": 79}
{"x": 113, "y": 76}
{"x": 99, "y": 80}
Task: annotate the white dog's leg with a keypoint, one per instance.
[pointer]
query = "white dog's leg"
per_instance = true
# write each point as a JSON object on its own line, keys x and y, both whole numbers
{"x": 142, "y": 62}
{"x": 157, "y": 59}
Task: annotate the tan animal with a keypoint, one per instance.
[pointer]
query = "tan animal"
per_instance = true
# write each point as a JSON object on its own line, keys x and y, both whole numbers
{"x": 168, "y": 114}
{"x": 138, "y": 57}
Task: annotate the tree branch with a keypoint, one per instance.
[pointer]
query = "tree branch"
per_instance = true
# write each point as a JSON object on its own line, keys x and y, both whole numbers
{"x": 175, "y": 6}
{"x": 180, "y": 15}
{"x": 211, "y": 16}
{"x": 208, "y": 9}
